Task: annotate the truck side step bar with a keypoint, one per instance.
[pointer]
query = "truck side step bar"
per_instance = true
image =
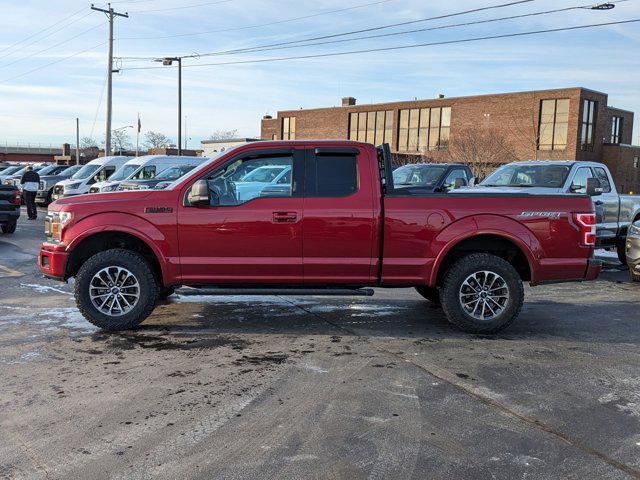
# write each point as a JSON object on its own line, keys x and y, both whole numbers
{"x": 330, "y": 292}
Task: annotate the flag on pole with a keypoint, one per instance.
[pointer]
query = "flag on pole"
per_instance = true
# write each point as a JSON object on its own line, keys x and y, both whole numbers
{"x": 139, "y": 124}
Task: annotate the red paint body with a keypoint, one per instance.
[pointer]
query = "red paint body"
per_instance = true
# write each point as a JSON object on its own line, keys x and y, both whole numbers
{"x": 364, "y": 239}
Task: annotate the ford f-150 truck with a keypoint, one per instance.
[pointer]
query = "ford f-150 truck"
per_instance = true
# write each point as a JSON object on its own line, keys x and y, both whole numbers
{"x": 614, "y": 212}
{"x": 341, "y": 226}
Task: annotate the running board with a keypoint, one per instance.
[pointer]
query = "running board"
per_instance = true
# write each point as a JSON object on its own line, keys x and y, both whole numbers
{"x": 330, "y": 292}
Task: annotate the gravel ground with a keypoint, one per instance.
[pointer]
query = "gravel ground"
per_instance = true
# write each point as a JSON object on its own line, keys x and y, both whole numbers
{"x": 310, "y": 387}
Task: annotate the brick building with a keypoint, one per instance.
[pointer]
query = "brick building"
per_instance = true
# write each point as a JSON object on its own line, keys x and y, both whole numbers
{"x": 484, "y": 130}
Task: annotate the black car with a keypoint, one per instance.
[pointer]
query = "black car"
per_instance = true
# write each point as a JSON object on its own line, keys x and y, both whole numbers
{"x": 160, "y": 181}
{"x": 9, "y": 208}
{"x": 432, "y": 177}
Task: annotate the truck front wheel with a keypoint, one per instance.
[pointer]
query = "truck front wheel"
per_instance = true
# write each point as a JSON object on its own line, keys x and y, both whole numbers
{"x": 116, "y": 289}
{"x": 482, "y": 293}
{"x": 9, "y": 227}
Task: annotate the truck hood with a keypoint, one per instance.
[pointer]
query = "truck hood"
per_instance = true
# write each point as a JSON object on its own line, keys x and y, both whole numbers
{"x": 107, "y": 197}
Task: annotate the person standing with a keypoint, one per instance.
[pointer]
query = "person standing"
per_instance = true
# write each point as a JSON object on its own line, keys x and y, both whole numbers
{"x": 30, "y": 182}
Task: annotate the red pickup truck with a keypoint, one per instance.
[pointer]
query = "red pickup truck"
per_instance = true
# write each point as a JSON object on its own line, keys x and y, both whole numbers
{"x": 314, "y": 217}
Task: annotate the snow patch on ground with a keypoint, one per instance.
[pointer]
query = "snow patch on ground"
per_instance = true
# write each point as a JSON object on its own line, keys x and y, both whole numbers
{"x": 48, "y": 319}
{"x": 43, "y": 288}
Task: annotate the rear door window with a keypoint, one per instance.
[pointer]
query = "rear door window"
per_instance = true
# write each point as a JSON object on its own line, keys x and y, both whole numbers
{"x": 332, "y": 175}
{"x": 601, "y": 175}
{"x": 579, "y": 184}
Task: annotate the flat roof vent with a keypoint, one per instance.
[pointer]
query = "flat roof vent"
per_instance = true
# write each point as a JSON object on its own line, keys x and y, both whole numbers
{"x": 348, "y": 101}
{"x": 441, "y": 95}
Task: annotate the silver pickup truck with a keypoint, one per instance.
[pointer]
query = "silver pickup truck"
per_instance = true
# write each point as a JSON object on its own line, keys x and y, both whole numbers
{"x": 614, "y": 212}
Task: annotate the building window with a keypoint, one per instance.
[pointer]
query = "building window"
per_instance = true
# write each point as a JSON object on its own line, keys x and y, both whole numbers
{"x": 289, "y": 128}
{"x": 424, "y": 129}
{"x": 371, "y": 127}
{"x": 616, "y": 130}
{"x": 587, "y": 125}
{"x": 554, "y": 124}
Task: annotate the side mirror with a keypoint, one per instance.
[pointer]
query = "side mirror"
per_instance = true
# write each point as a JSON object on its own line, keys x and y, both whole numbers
{"x": 459, "y": 182}
{"x": 199, "y": 193}
{"x": 473, "y": 181}
{"x": 593, "y": 187}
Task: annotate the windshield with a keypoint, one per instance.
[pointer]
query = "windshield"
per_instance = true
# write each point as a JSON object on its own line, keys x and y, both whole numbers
{"x": 418, "y": 175}
{"x": 123, "y": 173}
{"x": 549, "y": 176}
{"x": 11, "y": 170}
{"x": 86, "y": 171}
{"x": 50, "y": 170}
{"x": 174, "y": 172}
{"x": 71, "y": 170}
{"x": 263, "y": 174}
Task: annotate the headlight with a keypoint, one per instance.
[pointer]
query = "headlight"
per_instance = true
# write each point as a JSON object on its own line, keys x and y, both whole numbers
{"x": 634, "y": 230}
{"x": 72, "y": 186}
{"x": 9, "y": 181}
{"x": 55, "y": 224}
{"x": 43, "y": 185}
{"x": 109, "y": 188}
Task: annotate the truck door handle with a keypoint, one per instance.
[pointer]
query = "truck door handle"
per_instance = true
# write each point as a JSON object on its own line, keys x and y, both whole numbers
{"x": 285, "y": 217}
{"x": 599, "y": 202}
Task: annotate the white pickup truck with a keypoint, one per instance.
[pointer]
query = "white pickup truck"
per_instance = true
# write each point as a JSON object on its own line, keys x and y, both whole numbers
{"x": 614, "y": 212}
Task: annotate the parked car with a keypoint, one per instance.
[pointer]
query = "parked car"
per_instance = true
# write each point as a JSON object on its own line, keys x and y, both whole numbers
{"x": 14, "y": 178}
{"x": 252, "y": 184}
{"x": 344, "y": 226}
{"x": 633, "y": 251}
{"x": 48, "y": 180}
{"x": 9, "y": 208}
{"x": 141, "y": 168}
{"x": 432, "y": 177}
{"x": 97, "y": 170}
{"x": 162, "y": 180}
{"x": 8, "y": 172}
{"x": 614, "y": 212}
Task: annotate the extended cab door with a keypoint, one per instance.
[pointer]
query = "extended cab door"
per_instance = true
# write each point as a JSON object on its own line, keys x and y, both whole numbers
{"x": 607, "y": 206}
{"x": 251, "y": 239}
{"x": 340, "y": 224}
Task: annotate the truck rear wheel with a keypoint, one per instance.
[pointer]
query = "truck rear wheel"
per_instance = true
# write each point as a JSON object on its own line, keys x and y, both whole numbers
{"x": 9, "y": 227}
{"x": 116, "y": 289}
{"x": 482, "y": 293}
{"x": 621, "y": 250}
{"x": 430, "y": 293}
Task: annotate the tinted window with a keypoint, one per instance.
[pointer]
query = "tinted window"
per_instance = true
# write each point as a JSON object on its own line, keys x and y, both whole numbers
{"x": 457, "y": 173}
{"x": 550, "y": 176}
{"x": 335, "y": 176}
{"x": 604, "y": 179}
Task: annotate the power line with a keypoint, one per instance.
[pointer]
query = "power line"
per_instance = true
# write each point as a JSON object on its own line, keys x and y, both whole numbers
{"x": 53, "y": 63}
{"x": 41, "y": 31}
{"x": 380, "y": 27}
{"x": 259, "y": 25}
{"x": 181, "y": 7}
{"x": 401, "y": 47}
{"x": 84, "y": 32}
{"x": 287, "y": 45}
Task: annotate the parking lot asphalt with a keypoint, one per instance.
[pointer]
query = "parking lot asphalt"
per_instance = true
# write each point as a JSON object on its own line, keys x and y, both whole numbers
{"x": 311, "y": 387}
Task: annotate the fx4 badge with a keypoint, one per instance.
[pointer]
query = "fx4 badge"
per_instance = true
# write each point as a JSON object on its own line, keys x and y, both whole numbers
{"x": 158, "y": 210}
{"x": 551, "y": 215}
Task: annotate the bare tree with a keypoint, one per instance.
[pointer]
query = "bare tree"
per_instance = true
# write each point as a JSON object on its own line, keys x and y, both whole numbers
{"x": 88, "y": 142}
{"x": 120, "y": 141}
{"x": 481, "y": 148}
{"x": 223, "y": 134}
{"x": 156, "y": 140}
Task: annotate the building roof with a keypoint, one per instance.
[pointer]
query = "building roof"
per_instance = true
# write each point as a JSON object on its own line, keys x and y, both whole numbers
{"x": 230, "y": 140}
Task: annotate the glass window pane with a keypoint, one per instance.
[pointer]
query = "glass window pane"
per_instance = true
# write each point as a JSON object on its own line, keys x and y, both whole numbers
{"x": 444, "y": 138}
{"x": 434, "y": 137}
{"x": 402, "y": 139}
{"x": 413, "y": 140}
{"x": 560, "y": 136}
{"x": 413, "y": 118}
{"x": 404, "y": 118}
{"x": 292, "y": 125}
{"x": 548, "y": 111}
{"x": 353, "y": 126}
{"x": 371, "y": 127}
{"x": 562, "y": 110}
{"x": 446, "y": 117}
{"x": 336, "y": 176}
{"x": 388, "y": 119}
{"x": 435, "y": 117}
{"x": 423, "y": 138}
{"x": 546, "y": 137}
{"x": 424, "y": 118}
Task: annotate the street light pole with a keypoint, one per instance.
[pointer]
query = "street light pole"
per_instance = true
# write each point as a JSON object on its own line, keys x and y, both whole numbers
{"x": 168, "y": 61}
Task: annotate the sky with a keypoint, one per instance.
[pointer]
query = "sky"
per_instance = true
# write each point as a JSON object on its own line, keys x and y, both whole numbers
{"x": 53, "y": 57}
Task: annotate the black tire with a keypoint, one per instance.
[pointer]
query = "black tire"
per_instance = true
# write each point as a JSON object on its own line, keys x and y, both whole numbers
{"x": 136, "y": 265}
{"x": 635, "y": 277}
{"x": 430, "y": 293}
{"x": 621, "y": 250}
{"x": 9, "y": 227}
{"x": 452, "y": 289}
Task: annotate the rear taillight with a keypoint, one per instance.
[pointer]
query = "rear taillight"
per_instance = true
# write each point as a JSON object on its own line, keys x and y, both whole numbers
{"x": 587, "y": 224}
{"x": 17, "y": 199}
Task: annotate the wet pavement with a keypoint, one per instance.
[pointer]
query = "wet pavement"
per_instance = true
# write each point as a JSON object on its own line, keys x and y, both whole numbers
{"x": 310, "y": 387}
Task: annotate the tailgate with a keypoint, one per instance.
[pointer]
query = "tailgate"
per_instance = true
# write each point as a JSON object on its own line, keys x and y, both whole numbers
{"x": 7, "y": 198}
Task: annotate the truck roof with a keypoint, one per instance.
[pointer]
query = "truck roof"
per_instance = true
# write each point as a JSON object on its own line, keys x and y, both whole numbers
{"x": 555, "y": 162}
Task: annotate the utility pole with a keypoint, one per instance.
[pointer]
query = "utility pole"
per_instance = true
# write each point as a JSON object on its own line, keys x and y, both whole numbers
{"x": 77, "y": 141}
{"x": 111, "y": 13}
{"x": 168, "y": 61}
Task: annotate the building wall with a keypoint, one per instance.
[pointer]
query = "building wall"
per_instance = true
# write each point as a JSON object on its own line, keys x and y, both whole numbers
{"x": 624, "y": 163}
{"x": 515, "y": 117}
